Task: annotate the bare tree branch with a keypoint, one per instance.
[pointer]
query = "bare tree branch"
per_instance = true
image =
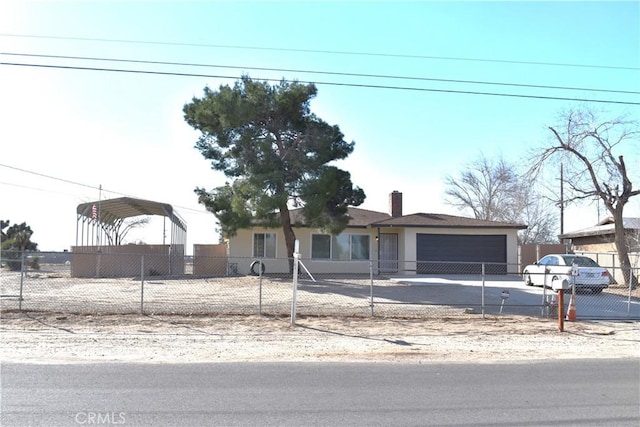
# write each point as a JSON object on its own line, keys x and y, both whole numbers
{"x": 494, "y": 191}
{"x": 588, "y": 147}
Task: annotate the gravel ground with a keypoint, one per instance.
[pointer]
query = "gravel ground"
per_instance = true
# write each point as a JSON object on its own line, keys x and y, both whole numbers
{"x": 38, "y": 337}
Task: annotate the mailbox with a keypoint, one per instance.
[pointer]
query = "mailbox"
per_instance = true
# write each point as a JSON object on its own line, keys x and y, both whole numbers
{"x": 560, "y": 285}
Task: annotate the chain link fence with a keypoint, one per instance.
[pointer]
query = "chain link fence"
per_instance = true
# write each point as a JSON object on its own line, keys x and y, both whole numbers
{"x": 45, "y": 281}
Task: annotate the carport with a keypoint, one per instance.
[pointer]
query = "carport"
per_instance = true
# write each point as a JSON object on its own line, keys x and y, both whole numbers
{"x": 99, "y": 233}
{"x": 100, "y": 222}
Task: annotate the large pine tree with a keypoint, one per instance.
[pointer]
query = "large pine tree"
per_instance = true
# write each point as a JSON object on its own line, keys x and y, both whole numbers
{"x": 276, "y": 153}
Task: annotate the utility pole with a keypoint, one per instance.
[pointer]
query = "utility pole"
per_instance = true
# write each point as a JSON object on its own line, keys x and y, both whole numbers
{"x": 561, "y": 201}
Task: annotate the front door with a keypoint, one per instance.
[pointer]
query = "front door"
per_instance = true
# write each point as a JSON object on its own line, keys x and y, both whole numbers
{"x": 388, "y": 253}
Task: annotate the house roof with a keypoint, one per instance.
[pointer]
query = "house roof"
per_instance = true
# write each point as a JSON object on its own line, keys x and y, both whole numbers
{"x": 371, "y": 219}
{"x": 432, "y": 220}
{"x": 604, "y": 227}
{"x": 363, "y": 217}
{"x": 359, "y": 217}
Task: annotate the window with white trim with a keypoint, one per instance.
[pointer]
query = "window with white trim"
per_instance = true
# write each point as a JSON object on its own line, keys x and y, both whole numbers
{"x": 264, "y": 245}
{"x": 343, "y": 247}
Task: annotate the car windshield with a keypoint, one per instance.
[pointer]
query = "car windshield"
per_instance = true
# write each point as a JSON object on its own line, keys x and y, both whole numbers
{"x": 581, "y": 261}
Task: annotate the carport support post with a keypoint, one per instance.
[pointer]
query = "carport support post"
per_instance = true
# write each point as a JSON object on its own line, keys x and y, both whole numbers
{"x": 560, "y": 310}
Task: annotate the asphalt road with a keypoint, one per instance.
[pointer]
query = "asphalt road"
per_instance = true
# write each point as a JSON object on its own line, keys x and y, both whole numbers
{"x": 559, "y": 393}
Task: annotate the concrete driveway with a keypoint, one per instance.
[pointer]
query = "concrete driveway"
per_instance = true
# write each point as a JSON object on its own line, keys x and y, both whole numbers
{"x": 520, "y": 299}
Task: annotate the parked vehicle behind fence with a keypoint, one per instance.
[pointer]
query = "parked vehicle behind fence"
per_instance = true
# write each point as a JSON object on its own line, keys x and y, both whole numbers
{"x": 586, "y": 273}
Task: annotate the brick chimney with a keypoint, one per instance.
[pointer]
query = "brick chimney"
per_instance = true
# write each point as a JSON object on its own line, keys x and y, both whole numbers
{"x": 395, "y": 204}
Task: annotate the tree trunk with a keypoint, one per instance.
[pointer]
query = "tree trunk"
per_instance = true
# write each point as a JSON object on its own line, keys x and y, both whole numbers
{"x": 289, "y": 235}
{"x": 623, "y": 249}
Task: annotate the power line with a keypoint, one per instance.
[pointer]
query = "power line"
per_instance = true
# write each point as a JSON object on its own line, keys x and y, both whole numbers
{"x": 27, "y": 187}
{"x": 333, "y": 73}
{"x": 79, "y": 184}
{"x": 371, "y": 86}
{"x": 328, "y": 52}
{"x": 50, "y": 177}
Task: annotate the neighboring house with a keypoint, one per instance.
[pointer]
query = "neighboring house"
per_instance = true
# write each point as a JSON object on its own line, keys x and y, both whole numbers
{"x": 601, "y": 237}
{"x": 598, "y": 242}
{"x": 390, "y": 242}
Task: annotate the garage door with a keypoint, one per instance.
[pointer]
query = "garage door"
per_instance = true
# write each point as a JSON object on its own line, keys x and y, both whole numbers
{"x": 454, "y": 253}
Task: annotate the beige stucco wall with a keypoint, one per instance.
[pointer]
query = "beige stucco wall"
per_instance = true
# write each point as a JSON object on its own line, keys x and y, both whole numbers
{"x": 126, "y": 260}
{"x": 241, "y": 246}
{"x": 210, "y": 260}
{"x": 605, "y": 242}
{"x": 594, "y": 247}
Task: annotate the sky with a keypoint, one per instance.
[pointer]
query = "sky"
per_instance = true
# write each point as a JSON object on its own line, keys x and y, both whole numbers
{"x": 70, "y": 136}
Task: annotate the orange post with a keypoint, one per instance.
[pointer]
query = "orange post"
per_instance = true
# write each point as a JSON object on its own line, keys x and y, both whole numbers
{"x": 571, "y": 312}
{"x": 561, "y": 310}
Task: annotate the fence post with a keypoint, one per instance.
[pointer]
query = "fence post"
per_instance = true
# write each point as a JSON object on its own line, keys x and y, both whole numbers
{"x": 21, "y": 280}
{"x": 631, "y": 280}
{"x": 482, "y": 296}
{"x": 260, "y": 287}
{"x": 544, "y": 296}
{"x": 371, "y": 286}
{"x": 296, "y": 259}
{"x": 142, "y": 285}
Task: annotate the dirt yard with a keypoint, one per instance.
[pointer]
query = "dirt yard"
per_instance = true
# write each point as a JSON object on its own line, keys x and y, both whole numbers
{"x": 34, "y": 337}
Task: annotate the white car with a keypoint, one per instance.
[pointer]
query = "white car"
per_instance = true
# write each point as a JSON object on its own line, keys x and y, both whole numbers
{"x": 566, "y": 268}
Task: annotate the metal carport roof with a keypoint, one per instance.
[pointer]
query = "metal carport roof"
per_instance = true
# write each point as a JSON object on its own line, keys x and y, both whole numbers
{"x": 106, "y": 216}
{"x": 110, "y": 210}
